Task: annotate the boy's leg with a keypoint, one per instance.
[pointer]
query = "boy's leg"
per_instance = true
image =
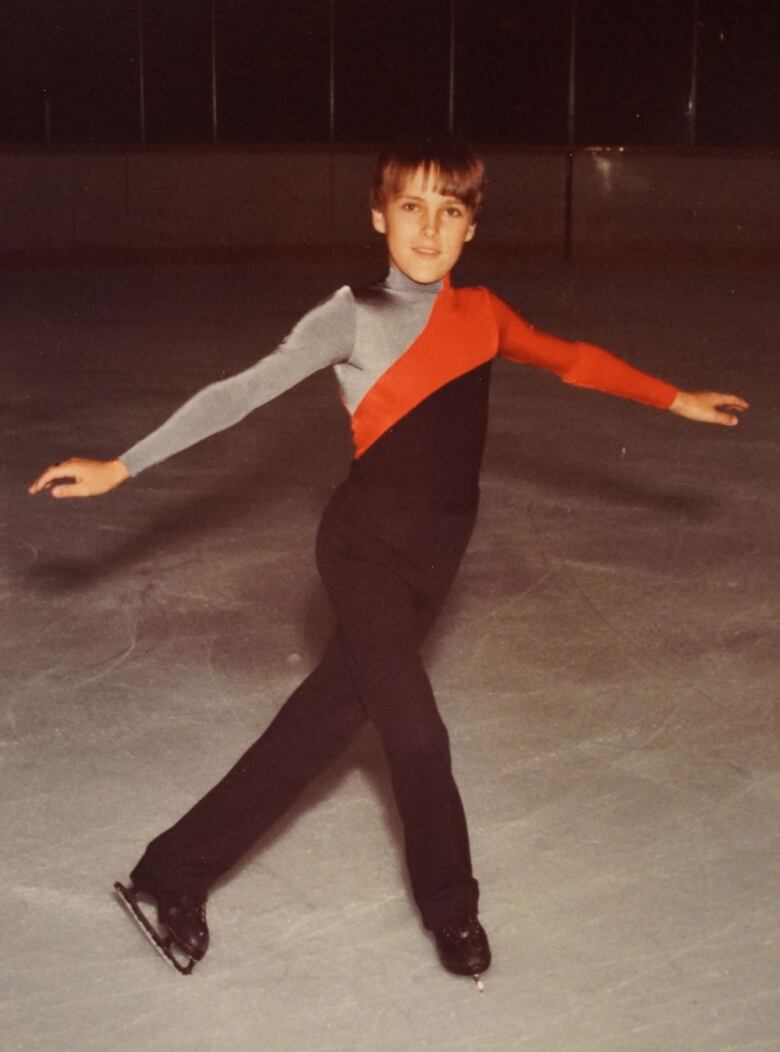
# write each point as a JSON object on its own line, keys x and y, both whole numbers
{"x": 385, "y": 599}
{"x": 318, "y": 721}
{"x": 308, "y": 732}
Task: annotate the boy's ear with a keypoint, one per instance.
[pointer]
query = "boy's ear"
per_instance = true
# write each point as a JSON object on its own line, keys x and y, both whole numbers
{"x": 470, "y": 232}
{"x": 378, "y": 221}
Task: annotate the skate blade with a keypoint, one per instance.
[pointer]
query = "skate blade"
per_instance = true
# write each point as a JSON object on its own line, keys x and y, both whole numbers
{"x": 479, "y": 984}
{"x": 164, "y": 945}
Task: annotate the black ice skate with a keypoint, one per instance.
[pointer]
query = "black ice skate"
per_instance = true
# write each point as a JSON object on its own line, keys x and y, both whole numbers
{"x": 182, "y": 936}
{"x": 464, "y": 949}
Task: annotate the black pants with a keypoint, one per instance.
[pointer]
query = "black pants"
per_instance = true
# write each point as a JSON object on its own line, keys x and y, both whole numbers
{"x": 387, "y": 561}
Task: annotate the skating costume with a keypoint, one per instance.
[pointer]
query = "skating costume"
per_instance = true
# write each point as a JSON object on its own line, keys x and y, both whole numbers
{"x": 413, "y": 364}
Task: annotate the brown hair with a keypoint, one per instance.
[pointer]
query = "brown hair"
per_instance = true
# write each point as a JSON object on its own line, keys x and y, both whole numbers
{"x": 457, "y": 170}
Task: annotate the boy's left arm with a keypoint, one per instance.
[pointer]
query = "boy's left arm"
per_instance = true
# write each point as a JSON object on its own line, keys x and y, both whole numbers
{"x": 585, "y": 365}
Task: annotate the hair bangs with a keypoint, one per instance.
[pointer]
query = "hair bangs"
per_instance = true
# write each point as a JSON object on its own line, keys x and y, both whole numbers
{"x": 449, "y": 166}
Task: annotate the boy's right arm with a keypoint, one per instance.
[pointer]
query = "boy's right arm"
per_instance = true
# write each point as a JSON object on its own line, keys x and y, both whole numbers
{"x": 322, "y": 337}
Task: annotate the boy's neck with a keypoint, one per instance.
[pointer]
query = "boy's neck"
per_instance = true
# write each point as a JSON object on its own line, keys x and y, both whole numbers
{"x": 396, "y": 279}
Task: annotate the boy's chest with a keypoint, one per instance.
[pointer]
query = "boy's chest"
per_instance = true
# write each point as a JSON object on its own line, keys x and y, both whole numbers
{"x": 458, "y": 326}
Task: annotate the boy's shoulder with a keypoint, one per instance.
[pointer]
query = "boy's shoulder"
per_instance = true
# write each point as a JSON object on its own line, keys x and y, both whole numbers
{"x": 341, "y": 299}
{"x": 474, "y": 297}
{"x": 471, "y": 290}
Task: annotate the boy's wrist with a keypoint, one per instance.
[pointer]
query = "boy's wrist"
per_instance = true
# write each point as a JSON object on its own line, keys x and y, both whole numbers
{"x": 119, "y": 470}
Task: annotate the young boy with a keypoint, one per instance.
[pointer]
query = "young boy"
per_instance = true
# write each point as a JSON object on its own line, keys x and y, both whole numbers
{"x": 413, "y": 356}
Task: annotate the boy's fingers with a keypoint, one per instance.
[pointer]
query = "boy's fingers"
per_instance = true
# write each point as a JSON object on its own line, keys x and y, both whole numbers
{"x": 727, "y": 409}
{"x": 726, "y": 418}
{"x": 61, "y": 481}
{"x": 65, "y": 471}
{"x": 46, "y": 478}
{"x": 69, "y": 489}
{"x": 730, "y": 402}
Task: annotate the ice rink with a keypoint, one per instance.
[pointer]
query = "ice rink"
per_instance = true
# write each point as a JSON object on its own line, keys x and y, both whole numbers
{"x": 607, "y": 666}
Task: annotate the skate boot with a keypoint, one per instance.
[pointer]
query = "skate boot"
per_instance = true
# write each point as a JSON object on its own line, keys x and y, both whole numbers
{"x": 184, "y": 918}
{"x": 181, "y": 934}
{"x": 464, "y": 949}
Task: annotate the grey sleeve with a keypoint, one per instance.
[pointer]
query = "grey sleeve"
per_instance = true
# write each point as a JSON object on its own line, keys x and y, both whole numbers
{"x": 323, "y": 337}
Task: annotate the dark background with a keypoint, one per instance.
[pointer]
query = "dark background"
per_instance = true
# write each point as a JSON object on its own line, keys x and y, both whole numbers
{"x": 654, "y": 72}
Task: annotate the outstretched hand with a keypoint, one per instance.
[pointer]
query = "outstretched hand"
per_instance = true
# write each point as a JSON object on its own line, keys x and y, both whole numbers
{"x": 709, "y": 407}
{"x": 81, "y": 478}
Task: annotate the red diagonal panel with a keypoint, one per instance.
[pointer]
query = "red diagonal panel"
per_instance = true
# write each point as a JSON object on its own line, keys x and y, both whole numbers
{"x": 460, "y": 335}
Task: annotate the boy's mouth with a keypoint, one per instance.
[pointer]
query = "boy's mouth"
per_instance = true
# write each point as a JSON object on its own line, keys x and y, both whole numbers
{"x": 426, "y": 251}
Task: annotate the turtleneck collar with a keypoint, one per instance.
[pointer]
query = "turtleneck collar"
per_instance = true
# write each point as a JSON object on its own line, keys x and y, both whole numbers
{"x": 397, "y": 280}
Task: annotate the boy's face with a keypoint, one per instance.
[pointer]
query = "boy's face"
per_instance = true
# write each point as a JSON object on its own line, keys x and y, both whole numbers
{"x": 425, "y": 230}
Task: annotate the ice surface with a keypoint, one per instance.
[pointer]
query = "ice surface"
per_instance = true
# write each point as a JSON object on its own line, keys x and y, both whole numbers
{"x": 607, "y": 665}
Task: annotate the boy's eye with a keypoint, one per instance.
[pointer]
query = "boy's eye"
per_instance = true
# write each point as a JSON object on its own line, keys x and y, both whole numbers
{"x": 454, "y": 211}
{"x": 409, "y": 206}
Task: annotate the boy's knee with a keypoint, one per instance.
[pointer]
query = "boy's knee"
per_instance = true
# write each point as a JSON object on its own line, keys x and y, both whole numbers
{"x": 423, "y": 743}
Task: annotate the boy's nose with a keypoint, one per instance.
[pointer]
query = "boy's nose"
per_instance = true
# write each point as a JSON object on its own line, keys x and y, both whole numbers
{"x": 430, "y": 226}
